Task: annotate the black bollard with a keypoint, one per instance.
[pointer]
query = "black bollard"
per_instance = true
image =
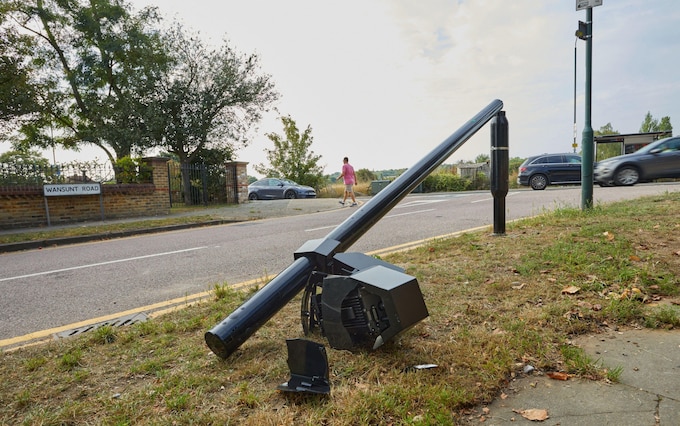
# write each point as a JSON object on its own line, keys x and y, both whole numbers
{"x": 224, "y": 338}
{"x": 499, "y": 170}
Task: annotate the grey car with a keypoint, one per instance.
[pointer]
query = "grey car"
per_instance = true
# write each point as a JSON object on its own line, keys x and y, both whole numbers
{"x": 659, "y": 159}
{"x": 274, "y": 188}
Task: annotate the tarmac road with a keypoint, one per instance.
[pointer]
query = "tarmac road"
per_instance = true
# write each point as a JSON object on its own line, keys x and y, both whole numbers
{"x": 57, "y": 287}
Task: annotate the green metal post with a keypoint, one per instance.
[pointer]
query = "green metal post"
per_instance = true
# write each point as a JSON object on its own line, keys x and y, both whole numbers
{"x": 587, "y": 141}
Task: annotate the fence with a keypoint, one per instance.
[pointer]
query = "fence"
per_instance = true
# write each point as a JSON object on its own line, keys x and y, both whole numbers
{"x": 196, "y": 184}
{"x": 16, "y": 174}
{"x": 147, "y": 187}
{"x": 23, "y": 204}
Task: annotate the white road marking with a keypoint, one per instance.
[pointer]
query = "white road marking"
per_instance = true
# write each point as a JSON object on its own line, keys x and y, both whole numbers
{"x": 92, "y": 265}
{"x": 491, "y": 198}
{"x": 389, "y": 215}
{"x": 408, "y": 213}
{"x": 418, "y": 203}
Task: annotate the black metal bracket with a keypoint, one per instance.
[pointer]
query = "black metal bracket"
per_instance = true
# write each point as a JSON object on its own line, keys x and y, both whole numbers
{"x": 308, "y": 364}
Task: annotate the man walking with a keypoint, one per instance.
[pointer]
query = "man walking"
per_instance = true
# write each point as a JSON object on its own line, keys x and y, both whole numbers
{"x": 349, "y": 179}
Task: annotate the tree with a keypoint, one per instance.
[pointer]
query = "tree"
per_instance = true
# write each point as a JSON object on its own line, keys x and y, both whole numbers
{"x": 28, "y": 157}
{"x": 24, "y": 167}
{"x": 95, "y": 66}
{"x": 365, "y": 175}
{"x": 291, "y": 157}
{"x": 607, "y": 129}
{"x": 17, "y": 96}
{"x": 650, "y": 124}
{"x": 514, "y": 163}
{"x": 607, "y": 150}
{"x": 482, "y": 158}
{"x": 208, "y": 100}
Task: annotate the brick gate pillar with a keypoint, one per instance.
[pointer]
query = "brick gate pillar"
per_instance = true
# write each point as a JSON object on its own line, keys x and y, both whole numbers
{"x": 237, "y": 182}
{"x": 161, "y": 193}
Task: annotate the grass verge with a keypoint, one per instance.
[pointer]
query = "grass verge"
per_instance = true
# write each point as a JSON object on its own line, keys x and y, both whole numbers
{"x": 103, "y": 229}
{"x": 496, "y": 305}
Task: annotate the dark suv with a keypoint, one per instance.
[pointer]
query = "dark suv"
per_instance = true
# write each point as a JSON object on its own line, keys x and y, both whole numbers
{"x": 540, "y": 171}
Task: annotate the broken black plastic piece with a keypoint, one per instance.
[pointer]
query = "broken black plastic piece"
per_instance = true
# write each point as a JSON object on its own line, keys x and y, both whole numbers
{"x": 308, "y": 364}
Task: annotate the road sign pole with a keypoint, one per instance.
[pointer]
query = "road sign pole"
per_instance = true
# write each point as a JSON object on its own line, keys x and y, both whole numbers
{"x": 587, "y": 141}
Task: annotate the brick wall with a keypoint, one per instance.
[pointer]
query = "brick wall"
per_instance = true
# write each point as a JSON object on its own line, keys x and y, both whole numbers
{"x": 25, "y": 206}
{"x": 237, "y": 181}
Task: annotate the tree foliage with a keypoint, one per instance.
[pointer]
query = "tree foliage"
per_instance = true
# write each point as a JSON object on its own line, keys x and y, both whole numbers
{"x": 93, "y": 63}
{"x": 607, "y": 150}
{"x": 514, "y": 163}
{"x": 29, "y": 157}
{"x": 24, "y": 167}
{"x": 93, "y": 72}
{"x": 482, "y": 158}
{"x": 208, "y": 99}
{"x": 291, "y": 157}
{"x": 651, "y": 124}
{"x": 607, "y": 129}
{"x": 365, "y": 175}
{"x": 17, "y": 96}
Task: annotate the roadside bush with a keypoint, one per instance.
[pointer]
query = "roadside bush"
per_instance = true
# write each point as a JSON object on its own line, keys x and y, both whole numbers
{"x": 445, "y": 182}
{"x": 132, "y": 170}
{"x": 481, "y": 181}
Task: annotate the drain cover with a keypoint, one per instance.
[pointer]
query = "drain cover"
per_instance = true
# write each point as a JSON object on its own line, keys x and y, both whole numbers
{"x": 118, "y": 322}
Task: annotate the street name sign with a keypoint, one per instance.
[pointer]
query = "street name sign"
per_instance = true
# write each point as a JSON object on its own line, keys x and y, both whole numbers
{"x": 55, "y": 190}
{"x": 587, "y": 4}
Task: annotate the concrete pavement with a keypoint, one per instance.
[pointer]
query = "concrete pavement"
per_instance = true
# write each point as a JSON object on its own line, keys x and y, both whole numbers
{"x": 648, "y": 391}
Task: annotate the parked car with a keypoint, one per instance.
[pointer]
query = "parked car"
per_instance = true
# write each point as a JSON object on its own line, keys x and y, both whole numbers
{"x": 274, "y": 188}
{"x": 540, "y": 171}
{"x": 659, "y": 159}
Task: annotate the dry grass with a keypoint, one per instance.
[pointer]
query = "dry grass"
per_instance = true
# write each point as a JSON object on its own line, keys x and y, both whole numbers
{"x": 496, "y": 304}
{"x": 336, "y": 190}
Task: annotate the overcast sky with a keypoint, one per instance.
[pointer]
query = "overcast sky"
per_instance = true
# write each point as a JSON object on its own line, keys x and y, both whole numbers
{"x": 385, "y": 81}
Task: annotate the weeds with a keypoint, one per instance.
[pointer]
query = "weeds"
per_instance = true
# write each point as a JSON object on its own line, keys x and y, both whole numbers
{"x": 222, "y": 291}
{"x": 104, "y": 335}
{"x": 663, "y": 317}
{"x": 614, "y": 374}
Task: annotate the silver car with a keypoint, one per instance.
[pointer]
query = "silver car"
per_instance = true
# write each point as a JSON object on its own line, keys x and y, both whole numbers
{"x": 274, "y": 188}
{"x": 659, "y": 159}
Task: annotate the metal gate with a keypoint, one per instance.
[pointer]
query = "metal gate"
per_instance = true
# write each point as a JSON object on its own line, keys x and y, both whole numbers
{"x": 231, "y": 185}
{"x": 187, "y": 184}
{"x": 200, "y": 184}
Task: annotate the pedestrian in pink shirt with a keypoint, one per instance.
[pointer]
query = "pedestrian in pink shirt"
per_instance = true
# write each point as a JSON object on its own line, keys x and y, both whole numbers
{"x": 350, "y": 179}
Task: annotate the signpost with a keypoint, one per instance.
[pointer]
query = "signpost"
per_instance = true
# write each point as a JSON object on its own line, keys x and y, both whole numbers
{"x": 587, "y": 148}
{"x": 71, "y": 189}
{"x": 587, "y": 4}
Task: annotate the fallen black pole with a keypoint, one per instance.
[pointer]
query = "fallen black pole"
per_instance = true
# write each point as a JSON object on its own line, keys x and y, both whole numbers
{"x": 224, "y": 338}
{"x": 363, "y": 219}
